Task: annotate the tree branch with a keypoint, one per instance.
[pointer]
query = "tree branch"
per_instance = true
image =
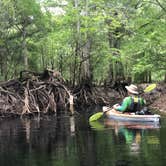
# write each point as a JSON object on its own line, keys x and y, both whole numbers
{"x": 144, "y": 25}
{"x": 162, "y": 7}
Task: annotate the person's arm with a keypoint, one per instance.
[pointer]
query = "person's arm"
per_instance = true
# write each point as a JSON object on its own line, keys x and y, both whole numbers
{"x": 143, "y": 102}
{"x": 123, "y": 106}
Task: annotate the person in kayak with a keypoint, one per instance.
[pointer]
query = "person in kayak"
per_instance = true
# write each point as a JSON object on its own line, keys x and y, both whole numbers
{"x": 132, "y": 103}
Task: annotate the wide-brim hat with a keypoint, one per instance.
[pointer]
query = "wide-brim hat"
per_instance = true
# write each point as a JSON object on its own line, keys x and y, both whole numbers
{"x": 132, "y": 89}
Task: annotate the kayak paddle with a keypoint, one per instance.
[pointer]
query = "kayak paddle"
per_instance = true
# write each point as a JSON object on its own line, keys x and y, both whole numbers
{"x": 98, "y": 115}
{"x": 95, "y": 116}
{"x": 150, "y": 88}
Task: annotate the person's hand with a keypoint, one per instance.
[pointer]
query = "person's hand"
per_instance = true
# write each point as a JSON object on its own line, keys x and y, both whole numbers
{"x": 115, "y": 106}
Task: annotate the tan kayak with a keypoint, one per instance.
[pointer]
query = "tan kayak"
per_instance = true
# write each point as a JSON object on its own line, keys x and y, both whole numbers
{"x": 116, "y": 115}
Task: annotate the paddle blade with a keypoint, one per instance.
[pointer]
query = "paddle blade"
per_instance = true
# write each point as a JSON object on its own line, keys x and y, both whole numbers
{"x": 96, "y": 125}
{"x": 96, "y": 116}
{"x": 150, "y": 88}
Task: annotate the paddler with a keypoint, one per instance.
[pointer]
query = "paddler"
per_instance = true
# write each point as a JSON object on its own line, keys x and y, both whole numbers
{"x": 132, "y": 103}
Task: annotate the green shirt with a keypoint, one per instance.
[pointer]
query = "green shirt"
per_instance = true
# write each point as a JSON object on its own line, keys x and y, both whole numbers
{"x": 127, "y": 102}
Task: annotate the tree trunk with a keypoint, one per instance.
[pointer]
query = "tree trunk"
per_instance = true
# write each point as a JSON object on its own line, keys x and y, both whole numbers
{"x": 150, "y": 76}
{"x": 114, "y": 71}
{"x": 75, "y": 64}
{"x": 86, "y": 75}
{"x": 3, "y": 63}
{"x": 43, "y": 57}
{"x": 24, "y": 48}
{"x": 60, "y": 63}
{"x": 77, "y": 45}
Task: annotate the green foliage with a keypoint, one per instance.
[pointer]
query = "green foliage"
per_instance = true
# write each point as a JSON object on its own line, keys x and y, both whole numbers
{"x": 128, "y": 34}
{"x": 144, "y": 50}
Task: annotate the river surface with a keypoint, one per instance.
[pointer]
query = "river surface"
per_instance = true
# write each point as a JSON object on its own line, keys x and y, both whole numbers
{"x": 72, "y": 141}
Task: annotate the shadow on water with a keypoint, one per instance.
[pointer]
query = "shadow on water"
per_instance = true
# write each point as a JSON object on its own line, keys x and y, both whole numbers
{"x": 71, "y": 140}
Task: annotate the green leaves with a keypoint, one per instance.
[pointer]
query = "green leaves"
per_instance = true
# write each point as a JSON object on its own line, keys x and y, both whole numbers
{"x": 143, "y": 49}
{"x": 128, "y": 34}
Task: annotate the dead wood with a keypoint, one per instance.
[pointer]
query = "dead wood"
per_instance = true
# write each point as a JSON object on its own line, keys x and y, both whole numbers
{"x": 34, "y": 93}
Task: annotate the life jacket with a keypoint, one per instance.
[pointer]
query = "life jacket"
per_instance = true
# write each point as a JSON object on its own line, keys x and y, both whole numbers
{"x": 136, "y": 104}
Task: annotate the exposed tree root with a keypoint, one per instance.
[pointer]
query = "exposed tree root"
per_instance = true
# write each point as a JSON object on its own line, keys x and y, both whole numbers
{"x": 34, "y": 93}
{"x": 43, "y": 93}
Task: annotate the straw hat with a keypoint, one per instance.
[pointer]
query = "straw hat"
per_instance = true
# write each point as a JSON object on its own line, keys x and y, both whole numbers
{"x": 132, "y": 89}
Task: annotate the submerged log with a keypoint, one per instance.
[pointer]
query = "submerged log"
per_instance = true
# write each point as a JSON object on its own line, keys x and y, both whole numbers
{"x": 34, "y": 93}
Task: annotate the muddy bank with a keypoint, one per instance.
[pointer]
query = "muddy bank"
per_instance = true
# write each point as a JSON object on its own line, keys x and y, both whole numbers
{"x": 159, "y": 101}
{"x": 47, "y": 92}
{"x": 155, "y": 99}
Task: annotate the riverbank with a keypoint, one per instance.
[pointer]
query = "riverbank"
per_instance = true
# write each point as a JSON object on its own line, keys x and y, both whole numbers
{"x": 160, "y": 103}
{"x": 48, "y": 93}
{"x": 155, "y": 99}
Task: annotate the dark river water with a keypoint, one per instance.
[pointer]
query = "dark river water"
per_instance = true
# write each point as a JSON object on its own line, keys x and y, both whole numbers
{"x": 72, "y": 141}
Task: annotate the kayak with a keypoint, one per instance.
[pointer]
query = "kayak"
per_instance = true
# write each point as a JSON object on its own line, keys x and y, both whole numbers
{"x": 130, "y": 117}
{"x": 115, "y": 124}
{"x": 131, "y": 124}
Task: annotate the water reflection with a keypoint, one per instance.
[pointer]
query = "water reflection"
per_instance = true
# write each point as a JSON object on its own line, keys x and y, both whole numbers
{"x": 132, "y": 138}
{"x": 35, "y": 140}
{"x": 72, "y": 125}
{"x": 129, "y": 133}
{"x": 69, "y": 140}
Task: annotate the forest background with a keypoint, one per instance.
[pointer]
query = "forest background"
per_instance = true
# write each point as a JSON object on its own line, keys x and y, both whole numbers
{"x": 99, "y": 41}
